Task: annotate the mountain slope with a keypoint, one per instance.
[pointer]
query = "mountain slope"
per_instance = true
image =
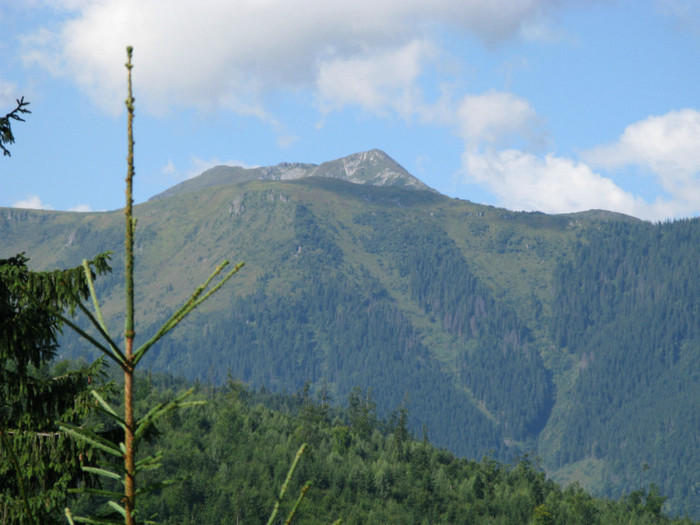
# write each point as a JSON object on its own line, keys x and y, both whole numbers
{"x": 502, "y": 332}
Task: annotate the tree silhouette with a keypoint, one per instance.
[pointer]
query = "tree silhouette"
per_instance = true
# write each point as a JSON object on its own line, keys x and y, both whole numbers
{"x": 6, "y": 136}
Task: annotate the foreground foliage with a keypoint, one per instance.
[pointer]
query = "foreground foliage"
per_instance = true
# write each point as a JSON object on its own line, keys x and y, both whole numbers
{"x": 232, "y": 453}
{"x": 45, "y": 443}
{"x": 38, "y": 461}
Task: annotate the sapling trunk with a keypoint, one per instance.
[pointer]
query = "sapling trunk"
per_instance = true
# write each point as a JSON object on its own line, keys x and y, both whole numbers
{"x": 129, "y": 359}
{"x": 130, "y": 453}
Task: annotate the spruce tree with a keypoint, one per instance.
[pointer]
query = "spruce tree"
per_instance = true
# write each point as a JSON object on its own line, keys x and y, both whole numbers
{"x": 39, "y": 462}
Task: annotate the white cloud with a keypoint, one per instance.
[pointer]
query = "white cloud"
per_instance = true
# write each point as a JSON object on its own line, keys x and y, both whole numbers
{"x": 284, "y": 141}
{"x": 685, "y": 14}
{"x": 540, "y": 32}
{"x": 658, "y": 142}
{"x": 32, "y": 202}
{"x": 230, "y": 54}
{"x": 668, "y": 147}
{"x": 199, "y": 166}
{"x": 375, "y": 81}
{"x": 82, "y": 208}
{"x": 523, "y": 181}
{"x": 495, "y": 118}
{"x": 169, "y": 168}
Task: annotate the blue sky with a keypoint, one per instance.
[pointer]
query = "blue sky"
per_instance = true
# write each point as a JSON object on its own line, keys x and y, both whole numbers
{"x": 548, "y": 105}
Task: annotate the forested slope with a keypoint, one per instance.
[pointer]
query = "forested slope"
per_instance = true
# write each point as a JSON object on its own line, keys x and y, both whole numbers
{"x": 573, "y": 336}
{"x": 627, "y": 307}
{"x": 233, "y": 454}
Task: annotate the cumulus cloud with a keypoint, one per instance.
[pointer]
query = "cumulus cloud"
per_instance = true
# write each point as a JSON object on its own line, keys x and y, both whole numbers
{"x": 229, "y": 54}
{"x": 523, "y": 181}
{"x": 199, "y": 166}
{"x": 169, "y": 168}
{"x": 667, "y": 147}
{"x": 375, "y": 81}
{"x": 551, "y": 184}
{"x": 495, "y": 117}
{"x": 32, "y": 202}
{"x": 286, "y": 140}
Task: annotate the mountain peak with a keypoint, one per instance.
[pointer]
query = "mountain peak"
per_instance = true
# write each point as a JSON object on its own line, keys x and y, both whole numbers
{"x": 373, "y": 167}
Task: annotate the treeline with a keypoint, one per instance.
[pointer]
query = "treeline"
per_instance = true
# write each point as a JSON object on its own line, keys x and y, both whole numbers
{"x": 233, "y": 453}
{"x": 627, "y": 306}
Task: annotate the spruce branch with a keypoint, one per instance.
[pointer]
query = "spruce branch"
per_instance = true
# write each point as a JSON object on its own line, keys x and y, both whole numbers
{"x": 95, "y": 302}
{"x": 6, "y": 136}
{"x": 283, "y": 490}
{"x": 91, "y": 438}
{"x": 163, "y": 408}
{"x": 114, "y": 354}
{"x": 106, "y": 409}
{"x": 4, "y": 445}
{"x": 103, "y": 472}
{"x": 292, "y": 512}
{"x": 193, "y": 302}
{"x": 96, "y": 492}
{"x": 99, "y": 325}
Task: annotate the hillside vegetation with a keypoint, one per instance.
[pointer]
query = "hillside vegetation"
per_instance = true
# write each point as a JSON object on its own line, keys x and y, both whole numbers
{"x": 233, "y": 453}
{"x": 573, "y": 337}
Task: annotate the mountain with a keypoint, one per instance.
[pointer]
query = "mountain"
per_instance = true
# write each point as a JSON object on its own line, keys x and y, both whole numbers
{"x": 369, "y": 167}
{"x": 573, "y": 336}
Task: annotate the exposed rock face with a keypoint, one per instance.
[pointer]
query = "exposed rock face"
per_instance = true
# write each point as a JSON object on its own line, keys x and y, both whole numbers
{"x": 372, "y": 167}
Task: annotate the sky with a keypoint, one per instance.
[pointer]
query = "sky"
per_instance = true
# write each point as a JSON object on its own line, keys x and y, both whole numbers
{"x": 541, "y": 105}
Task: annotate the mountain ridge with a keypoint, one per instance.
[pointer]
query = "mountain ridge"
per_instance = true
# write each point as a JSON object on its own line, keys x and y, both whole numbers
{"x": 373, "y": 167}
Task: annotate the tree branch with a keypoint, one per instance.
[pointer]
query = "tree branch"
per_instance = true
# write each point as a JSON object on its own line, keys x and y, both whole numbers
{"x": 6, "y": 136}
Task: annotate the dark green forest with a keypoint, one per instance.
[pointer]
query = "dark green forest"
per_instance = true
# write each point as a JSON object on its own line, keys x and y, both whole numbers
{"x": 627, "y": 306}
{"x": 233, "y": 453}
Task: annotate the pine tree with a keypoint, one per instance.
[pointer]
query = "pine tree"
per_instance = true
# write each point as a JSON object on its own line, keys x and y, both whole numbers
{"x": 38, "y": 462}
